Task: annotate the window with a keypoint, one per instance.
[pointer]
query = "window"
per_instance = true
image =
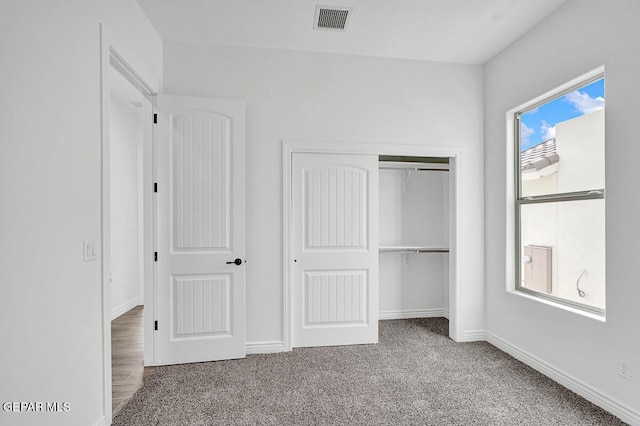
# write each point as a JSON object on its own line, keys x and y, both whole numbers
{"x": 560, "y": 197}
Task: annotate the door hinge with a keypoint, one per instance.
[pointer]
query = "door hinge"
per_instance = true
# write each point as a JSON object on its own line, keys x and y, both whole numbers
{"x": 155, "y": 256}
{"x": 155, "y": 186}
{"x": 155, "y": 325}
{"x": 155, "y": 118}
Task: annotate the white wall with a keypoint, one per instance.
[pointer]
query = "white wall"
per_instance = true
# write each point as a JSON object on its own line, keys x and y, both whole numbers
{"x": 313, "y": 96}
{"x": 578, "y": 38}
{"x": 125, "y": 136}
{"x": 50, "y": 309}
{"x": 413, "y": 217}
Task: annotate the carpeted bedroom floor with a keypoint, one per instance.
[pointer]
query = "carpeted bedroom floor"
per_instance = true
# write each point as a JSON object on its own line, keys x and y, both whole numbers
{"x": 416, "y": 375}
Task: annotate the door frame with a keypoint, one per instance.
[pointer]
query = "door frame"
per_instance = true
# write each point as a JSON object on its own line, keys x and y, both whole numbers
{"x": 290, "y": 147}
{"x": 111, "y": 58}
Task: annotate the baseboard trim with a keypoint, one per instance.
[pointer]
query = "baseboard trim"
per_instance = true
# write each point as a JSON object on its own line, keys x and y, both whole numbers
{"x": 264, "y": 347}
{"x": 416, "y": 313}
{"x": 102, "y": 421}
{"x": 125, "y": 307}
{"x": 619, "y": 409}
{"x": 474, "y": 336}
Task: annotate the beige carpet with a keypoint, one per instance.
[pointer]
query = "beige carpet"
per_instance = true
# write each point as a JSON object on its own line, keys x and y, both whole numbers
{"x": 416, "y": 375}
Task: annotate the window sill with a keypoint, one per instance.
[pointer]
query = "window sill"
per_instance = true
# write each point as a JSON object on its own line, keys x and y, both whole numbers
{"x": 600, "y": 318}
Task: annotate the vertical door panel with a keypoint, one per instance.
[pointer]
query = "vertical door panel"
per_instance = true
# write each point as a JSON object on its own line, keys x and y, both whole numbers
{"x": 200, "y": 210}
{"x": 202, "y": 306}
{"x": 335, "y": 249}
{"x": 335, "y": 297}
{"x": 200, "y": 182}
{"x": 336, "y": 214}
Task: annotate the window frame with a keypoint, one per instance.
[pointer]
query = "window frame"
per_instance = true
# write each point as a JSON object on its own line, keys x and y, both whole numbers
{"x": 519, "y": 200}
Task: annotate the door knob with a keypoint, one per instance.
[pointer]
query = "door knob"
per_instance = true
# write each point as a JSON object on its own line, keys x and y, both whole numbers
{"x": 238, "y": 262}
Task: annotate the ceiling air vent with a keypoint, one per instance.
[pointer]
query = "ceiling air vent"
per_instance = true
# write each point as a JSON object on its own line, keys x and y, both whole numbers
{"x": 332, "y": 18}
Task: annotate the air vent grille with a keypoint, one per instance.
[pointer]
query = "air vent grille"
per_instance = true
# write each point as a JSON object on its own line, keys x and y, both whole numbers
{"x": 332, "y": 18}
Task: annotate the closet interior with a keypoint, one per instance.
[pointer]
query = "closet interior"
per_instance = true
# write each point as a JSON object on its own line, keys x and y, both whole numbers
{"x": 413, "y": 237}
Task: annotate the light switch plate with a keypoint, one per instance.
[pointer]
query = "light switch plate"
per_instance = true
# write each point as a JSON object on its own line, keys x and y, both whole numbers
{"x": 90, "y": 250}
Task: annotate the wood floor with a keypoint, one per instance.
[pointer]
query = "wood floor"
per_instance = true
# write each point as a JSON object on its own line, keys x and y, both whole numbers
{"x": 127, "y": 357}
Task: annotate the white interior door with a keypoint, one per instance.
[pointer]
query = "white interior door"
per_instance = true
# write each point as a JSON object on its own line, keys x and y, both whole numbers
{"x": 335, "y": 249}
{"x": 200, "y": 215}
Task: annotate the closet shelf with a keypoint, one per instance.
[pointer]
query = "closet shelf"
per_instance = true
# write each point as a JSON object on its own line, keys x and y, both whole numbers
{"x": 414, "y": 166}
{"x": 412, "y": 249}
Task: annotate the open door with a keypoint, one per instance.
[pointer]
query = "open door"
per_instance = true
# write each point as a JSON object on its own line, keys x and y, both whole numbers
{"x": 200, "y": 272}
{"x": 334, "y": 249}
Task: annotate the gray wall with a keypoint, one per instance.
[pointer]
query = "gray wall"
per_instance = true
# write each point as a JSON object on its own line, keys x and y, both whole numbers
{"x": 332, "y": 97}
{"x": 580, "y": 37}
{"x": 50, "y": 202}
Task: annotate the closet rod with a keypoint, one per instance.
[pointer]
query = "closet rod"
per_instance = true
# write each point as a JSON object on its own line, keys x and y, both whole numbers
{"x": 414, "y": 250}
{"x": 415, "y": 169}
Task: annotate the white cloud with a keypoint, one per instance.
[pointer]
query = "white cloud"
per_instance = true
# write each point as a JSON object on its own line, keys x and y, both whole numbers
{"x": 585, "y": 103}
{"x": 548, "y": 132}
{"x": 525, "y": 134}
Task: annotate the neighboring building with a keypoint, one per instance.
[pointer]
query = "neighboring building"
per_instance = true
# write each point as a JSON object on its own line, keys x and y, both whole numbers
{"x": 572, "y": 161}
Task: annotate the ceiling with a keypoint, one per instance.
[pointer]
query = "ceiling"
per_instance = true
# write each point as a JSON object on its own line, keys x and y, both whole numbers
{"x": 461, "y": 31}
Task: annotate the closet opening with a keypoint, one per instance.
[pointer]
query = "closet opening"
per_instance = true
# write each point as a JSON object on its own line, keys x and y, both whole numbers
{"x": 371, "y": 232}
{"x": 414, "y": 237}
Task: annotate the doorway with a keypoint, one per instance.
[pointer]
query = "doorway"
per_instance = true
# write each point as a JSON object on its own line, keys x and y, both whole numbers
{"x": 125, "y": 185}
{"x": 127, "y": 107}
{"x": 127, "y": 226}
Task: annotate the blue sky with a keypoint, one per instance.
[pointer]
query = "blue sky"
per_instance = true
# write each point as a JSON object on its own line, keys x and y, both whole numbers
{"x": 538, "y": 125}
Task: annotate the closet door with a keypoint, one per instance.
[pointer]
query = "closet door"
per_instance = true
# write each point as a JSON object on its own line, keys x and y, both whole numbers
{"x": 334, "y": 249}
